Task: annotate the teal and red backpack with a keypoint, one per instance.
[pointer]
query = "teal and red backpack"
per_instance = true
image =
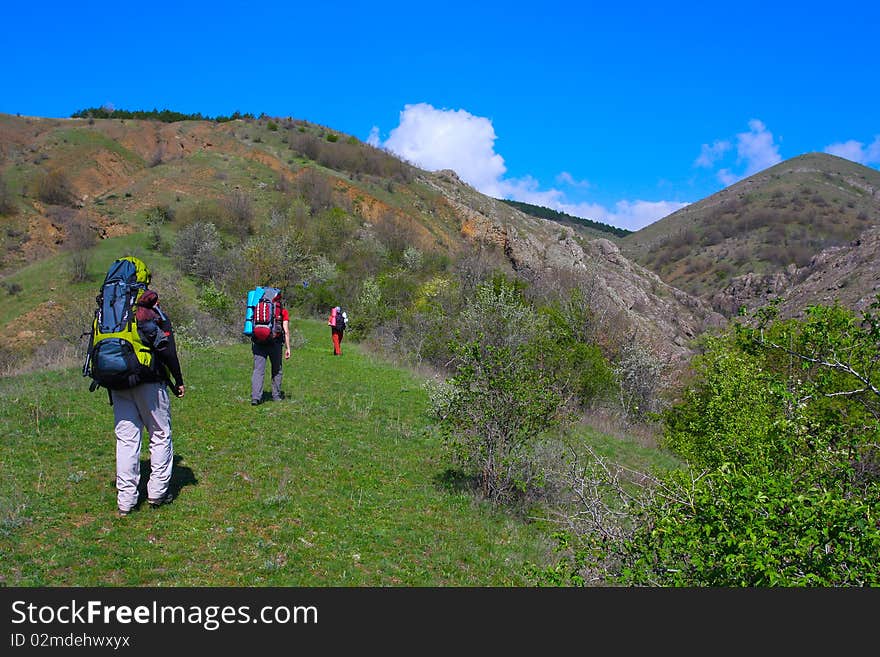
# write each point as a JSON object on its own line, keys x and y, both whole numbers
{"x": 263, "y": 323}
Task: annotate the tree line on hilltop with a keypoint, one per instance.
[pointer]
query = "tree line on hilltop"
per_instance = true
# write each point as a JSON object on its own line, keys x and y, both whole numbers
{"x": 164, "y": 115}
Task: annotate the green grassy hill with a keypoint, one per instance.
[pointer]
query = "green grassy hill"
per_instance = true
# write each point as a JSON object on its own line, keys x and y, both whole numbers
{"x": 339, "y": 484}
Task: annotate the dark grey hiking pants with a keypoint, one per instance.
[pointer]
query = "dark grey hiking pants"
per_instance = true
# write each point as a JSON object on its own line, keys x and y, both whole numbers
{"x": 262, "y": 352}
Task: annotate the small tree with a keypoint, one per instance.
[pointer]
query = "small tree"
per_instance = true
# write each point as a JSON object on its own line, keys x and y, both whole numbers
{"x": 492, "y": 413}
{"x": 79, "y": 238}
{"x": 503, "y": 396}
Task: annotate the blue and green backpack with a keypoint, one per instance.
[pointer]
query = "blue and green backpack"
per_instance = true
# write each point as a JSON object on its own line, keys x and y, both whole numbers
{"x": 117, "y": 356}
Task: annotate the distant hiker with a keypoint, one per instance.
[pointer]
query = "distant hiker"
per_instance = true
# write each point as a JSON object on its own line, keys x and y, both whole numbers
{"x": 337, "y": 321}
{"x": 270, "y": 331}
{"x": 132, "y": 353}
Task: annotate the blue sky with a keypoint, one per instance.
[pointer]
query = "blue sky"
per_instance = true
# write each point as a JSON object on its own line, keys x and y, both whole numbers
{"x": 619, "y": 112}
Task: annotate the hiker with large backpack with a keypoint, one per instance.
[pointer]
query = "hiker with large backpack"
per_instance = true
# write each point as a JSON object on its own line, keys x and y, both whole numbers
{"x": 133, "y": 355}
{"x": 267, "y": 323}
{"x": 337, "y": 321}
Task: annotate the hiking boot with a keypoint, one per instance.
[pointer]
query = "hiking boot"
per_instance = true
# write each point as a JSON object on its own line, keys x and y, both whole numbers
{"x": 121, "y": 513}
{"x": 165, "y": 499}
{"x": 255, "y": 402}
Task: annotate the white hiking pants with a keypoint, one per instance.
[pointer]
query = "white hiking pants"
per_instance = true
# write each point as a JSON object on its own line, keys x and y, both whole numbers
{"x": 145, "y": 406}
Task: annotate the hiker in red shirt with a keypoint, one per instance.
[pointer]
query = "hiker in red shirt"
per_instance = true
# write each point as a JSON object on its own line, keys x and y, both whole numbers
{"x": 337, "y": 322}
{"x": 270, "y": 349}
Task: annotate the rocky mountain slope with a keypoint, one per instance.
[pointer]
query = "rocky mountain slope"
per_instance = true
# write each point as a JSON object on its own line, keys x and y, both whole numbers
{"x": 768, "y": 229}
{"x": 621, "y": 290}
{"x": 109, "y": 175}
{"x": 848, "y": 275}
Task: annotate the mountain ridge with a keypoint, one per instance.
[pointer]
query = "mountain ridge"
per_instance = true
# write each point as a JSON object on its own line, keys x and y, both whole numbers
{"x": 117, "y": 171}
{"x": 775, "y": 221}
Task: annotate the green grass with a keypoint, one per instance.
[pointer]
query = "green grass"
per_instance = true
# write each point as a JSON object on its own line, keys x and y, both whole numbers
{"x": 339, "y": 484}
{"x": 80, "y": 138}
{"x": 49, "y": 279}
{"x": 336, "y": 485}
{"x": 627, "y": 451}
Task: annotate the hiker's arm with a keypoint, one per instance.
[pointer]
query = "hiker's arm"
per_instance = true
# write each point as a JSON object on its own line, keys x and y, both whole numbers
{"x": 286, "y": 325}
{"x": 168, "y": 355}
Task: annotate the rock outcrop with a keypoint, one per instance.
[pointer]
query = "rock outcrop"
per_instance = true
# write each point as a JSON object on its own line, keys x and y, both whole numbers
{"x": 543, "y": 251}
{"x": 848, "y": 275}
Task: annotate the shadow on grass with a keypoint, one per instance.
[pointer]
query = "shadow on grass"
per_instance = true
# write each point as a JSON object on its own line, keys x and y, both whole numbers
{"x": 180, "y": 476}
{"x": 456, "y": 481}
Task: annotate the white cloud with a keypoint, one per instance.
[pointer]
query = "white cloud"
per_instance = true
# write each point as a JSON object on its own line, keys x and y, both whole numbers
{"x": 856, "y": 151}
{"x": 434, "y": 139}
{"x": 449, "y": 139}
{"x": 872, "y": 154}
{"x": 711, "y": 154}
{"x": 565, "y": 178}
{"x": 757, "y": 148}
{"x": 638, "y": 214}
{"x": 728, "y": 177}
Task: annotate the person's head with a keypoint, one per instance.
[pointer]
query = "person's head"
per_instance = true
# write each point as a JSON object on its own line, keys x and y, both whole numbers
{"x": 338, "y": 309}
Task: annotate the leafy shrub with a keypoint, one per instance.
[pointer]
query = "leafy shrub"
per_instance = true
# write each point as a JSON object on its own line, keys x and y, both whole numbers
{"x": 156, "y": 218}
{"x": 578, "y": 359}
{"x": 780, "y": 428}
{"x": 216, "y": 302}
{"x": 369, "y": 308}
{"x": 504, "y": 395}
{"x": 492, "y": 413}
{"x": 277, "y": 259}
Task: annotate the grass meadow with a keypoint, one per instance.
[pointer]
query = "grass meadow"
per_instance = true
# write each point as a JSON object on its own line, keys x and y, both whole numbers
{"x": 339, "y": 484}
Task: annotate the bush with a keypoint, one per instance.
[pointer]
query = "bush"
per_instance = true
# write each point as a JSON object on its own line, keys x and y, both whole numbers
{"x": 579, "y": 361}
{"x": 492, "y": 414}
{"x": 504, "y": 395}
{"x": 199, "y": 251}
{"x": 53, "y": 187}
{"x": 156, "y": 219}
{"x": 240, "y": 210}
{"x": 280, "y": 260}
{"x": 8, "y": 205}
{"x": 780, "y": 429}
{"x": 640, "y": 376}
{"x": 79, "y": 238}
{"x": 216, "y": 302}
